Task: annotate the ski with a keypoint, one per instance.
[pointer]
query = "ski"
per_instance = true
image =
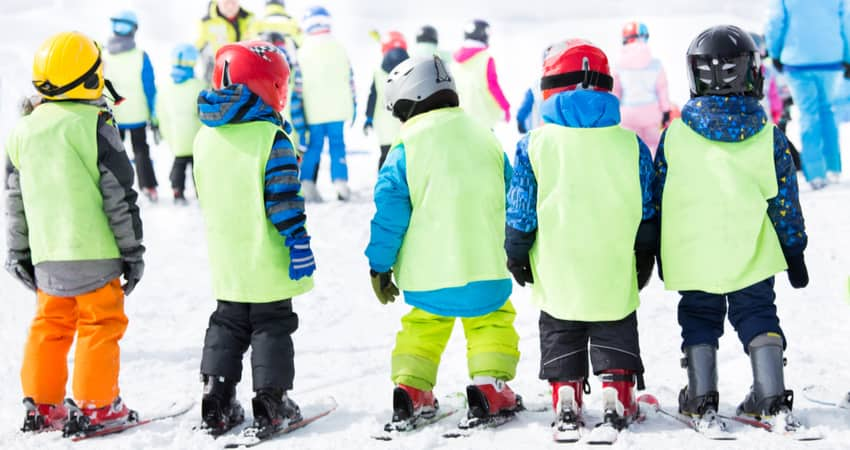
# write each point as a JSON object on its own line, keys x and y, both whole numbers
{"x": 567, "y": 432}
{"x": 711, "y": 427}
{"x": 821, "y": 396}
{"x": 393, "y": 431}
{"x": 792, "y": 429}
{"x": 606, "y": 433}
{"x": 247, "y": 440}
{"x": 469, "y": 425}
{"x": 112, "y": 429}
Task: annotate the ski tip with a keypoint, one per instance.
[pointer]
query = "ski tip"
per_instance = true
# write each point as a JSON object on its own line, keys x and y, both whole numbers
{"x": 649, "y": 400}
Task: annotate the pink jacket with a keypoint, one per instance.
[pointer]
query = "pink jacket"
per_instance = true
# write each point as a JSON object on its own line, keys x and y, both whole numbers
{"x": 640, "y": 78}
{"x": 467, "y": 52}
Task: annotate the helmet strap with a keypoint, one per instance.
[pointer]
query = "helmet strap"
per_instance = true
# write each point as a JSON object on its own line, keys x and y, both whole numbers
{"x": 49, "y": 90}
{"x": 585, "y": 78}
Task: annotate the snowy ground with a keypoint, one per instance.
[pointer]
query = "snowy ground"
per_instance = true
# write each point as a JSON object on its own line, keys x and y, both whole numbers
{"x": 344, "y": 344}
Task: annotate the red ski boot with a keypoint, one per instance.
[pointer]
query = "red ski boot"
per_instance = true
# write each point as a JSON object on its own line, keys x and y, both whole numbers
{"x": 43, "y": 416}
{"x": 488, "y": 399}
{"x": 88, "y": 419}
{"x": 567, "y": 402}
{"x": 618, "y": 397}
{"x": 410, "y": 405}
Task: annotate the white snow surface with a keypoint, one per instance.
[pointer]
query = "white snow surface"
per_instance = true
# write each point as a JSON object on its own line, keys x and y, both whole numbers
{"x": 346, "y": 337}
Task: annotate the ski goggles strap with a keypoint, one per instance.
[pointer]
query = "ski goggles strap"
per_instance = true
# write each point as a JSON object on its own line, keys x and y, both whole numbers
{"x": 50, "y": 90}
{"x": 585, "y": 78}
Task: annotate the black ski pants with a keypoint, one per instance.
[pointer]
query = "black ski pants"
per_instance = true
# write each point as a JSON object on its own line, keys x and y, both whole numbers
{"x": 141, "y": 156}
{"x": 267, "y": 328}
{"x": 178, "y": 172}
{"x": 564, "y": 347}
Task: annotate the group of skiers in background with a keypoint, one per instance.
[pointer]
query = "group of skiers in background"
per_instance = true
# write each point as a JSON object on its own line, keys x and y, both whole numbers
{"x": 454, "y": 219}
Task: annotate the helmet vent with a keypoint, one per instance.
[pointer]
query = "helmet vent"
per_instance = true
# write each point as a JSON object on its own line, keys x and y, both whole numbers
{"x": 225, "y": 75}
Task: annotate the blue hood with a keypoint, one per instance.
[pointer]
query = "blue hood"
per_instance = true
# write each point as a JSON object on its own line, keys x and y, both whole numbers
{"x": 234, "y": 104}
{"x": 581, "y": 109}
{"x": 724, "y": 119}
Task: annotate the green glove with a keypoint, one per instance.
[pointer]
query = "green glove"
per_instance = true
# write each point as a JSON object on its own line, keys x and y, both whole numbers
{"x": 382, "y": 284}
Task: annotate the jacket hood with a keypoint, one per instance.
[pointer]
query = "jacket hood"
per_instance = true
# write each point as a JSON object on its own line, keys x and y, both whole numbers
{"x": 724, "y": 119}
{"x": 635, "y": 55}
{"x": 234, "y": 104}
{"x": 581, "y": 109}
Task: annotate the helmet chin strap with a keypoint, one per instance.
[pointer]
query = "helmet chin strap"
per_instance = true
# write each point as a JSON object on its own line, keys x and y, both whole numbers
{"x": 117, "y": 99}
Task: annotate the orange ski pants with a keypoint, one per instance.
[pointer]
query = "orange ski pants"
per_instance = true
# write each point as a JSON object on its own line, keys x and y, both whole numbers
{"x": 98, "y": 319}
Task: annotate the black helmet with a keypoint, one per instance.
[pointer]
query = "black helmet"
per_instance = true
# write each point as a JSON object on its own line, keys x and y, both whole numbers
{"x": 478, "y": 30}
{"x": 275, "y": 2}
{"x": 427, "y": 34}
{"x": 724, "y": 60}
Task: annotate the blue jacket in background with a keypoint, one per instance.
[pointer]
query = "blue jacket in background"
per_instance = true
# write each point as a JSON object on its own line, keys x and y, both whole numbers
{"x": 575, "y": 109}
{"x": 809, "y": 34}
{"x": 392, "y": 199}
{"x": 734, "y": 119}
{"x": 284, "y": 205}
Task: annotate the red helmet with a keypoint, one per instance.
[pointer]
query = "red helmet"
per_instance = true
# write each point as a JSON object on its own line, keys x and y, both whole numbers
{"x": 575, "y": 63}
{"x": 393, "y": 39}
{"x": 257, "y": 64}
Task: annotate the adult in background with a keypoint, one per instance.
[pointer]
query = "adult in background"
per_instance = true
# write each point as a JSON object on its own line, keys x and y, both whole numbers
{"x": 810, "y": 43}
{"x": 131, "y": 72}
{"x": 226, "y": 22}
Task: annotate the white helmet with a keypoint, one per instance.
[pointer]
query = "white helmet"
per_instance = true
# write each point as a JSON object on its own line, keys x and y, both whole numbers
{"x": 418, "y": 85}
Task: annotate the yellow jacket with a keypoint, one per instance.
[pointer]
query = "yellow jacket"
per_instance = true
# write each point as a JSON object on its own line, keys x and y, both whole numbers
{"x": 214, "y": 30}
{"x": 278, "y": 20}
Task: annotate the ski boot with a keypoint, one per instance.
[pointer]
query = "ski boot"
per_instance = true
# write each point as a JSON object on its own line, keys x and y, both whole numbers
{"x": 43, "y": 416}
{"x": 310, "y": 192}
{"x": 343, "y": 193}
{"x": 151, "y": 194}
{"x": 491, "y": 402}
{"x": 768, "y": 399}
{"x": 179, "y": 198}
{"x": 87, "y": 419}
{"x": 619, "y": 405}
{"x": 273, "y": 412}
{"x": 700, "y": 399}
{"x": 220, "y": 411}
{"x": 567, "y": 403}
{"x": 410, "y": 406}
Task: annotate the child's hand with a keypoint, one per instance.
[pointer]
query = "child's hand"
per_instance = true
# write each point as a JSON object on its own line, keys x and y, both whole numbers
{"x": 382, "y": 283}
{"x": 798, "y": 275}
{"x": 301, "y": 261}
{"x": 20, "y": 266}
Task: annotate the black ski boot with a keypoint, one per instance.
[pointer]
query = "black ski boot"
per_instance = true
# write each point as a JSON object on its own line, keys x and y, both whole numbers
{"x": 273, "y": 411}
{"x": 768, "y": 397}
{"x": 220, "y": 411}
{"x": 700, "y": 400}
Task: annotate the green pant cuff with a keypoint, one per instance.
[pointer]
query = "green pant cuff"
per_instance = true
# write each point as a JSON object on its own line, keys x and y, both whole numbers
{"x": 497, "y": 365}
{"x": 414, "y": 371}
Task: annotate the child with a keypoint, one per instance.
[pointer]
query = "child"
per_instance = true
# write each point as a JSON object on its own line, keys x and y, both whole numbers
{"x": 294, "y": 111}
{"x": 70, "y": 168}
{"x": 730, "y": 220}
{"x": 177, "y": 104}
{"x": 580, "y": 229}
{"x": 131, "y": 72}
{"x": 394, "y": 49}
{"x": 247, "y": 177}
{"x": 475, "y": 75}
{"x": 427, "y": 44}
{"x": 528, "y": 115}
{"x": 329, "y": 101}
{"x": 641, "y": 85}
{"x": 440, "y": 201}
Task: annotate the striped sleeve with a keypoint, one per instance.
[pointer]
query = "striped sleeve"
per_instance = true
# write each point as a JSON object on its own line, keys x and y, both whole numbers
{"x": 284, "y": 204}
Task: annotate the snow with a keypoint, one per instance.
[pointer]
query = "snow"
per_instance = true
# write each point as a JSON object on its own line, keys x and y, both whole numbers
{"x": 346, "y": 337}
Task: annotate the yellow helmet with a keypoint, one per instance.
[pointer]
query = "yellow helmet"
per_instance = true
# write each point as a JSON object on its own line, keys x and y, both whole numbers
{"x": 68, "y": 66}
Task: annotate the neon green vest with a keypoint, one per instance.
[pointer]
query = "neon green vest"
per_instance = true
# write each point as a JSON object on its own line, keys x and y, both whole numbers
{"x": 474, "y": 92}
{"x": 249, "y": 261}
{"x": 715, "y": 233}
{"x": 55, "y": 151}
{"x": 589, "y": 208}
{"x": 125, "y": 71}
{"x": 455, "y": 172}
{"x": 386, "y": 126}
{"x": 327, "y": 80}
{"x": 177, "y": 109}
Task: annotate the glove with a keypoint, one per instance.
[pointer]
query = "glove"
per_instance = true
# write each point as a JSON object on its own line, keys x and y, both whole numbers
{"x": 133, "y": 268}
{"x": 665, "y": 119}
{"x": 847, "y": 71}
{"x": 645, "y": 261}
{"x": 382, "y": 283}
{"x": 19, "y": 264}
{"x": 157, "y": 136}
{"x": 367, "y": 126}
{"x": 778, "y": 64}
{"x": 520, "y": 126}
{"x": 798, "y": 275}
{"x": 521, "y": 270}
{"x": 301, "y": 261}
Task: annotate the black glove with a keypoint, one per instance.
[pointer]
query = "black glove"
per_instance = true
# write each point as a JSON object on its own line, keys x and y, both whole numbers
{"x": 133, "y": 268}
{"x": 778, "y": 64}
{"x": 521, "y": 270}
{"x": 798, "y": 275}
{"x": 19, "y": 264}
{"x": 665, "y": 119}
{"x": 157, "y": 136}
{"x": 382, "y": 283}
{"x": 520, "y": 126}
{"x": 645, "y": 262}
{"x": 847, "y": 71}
